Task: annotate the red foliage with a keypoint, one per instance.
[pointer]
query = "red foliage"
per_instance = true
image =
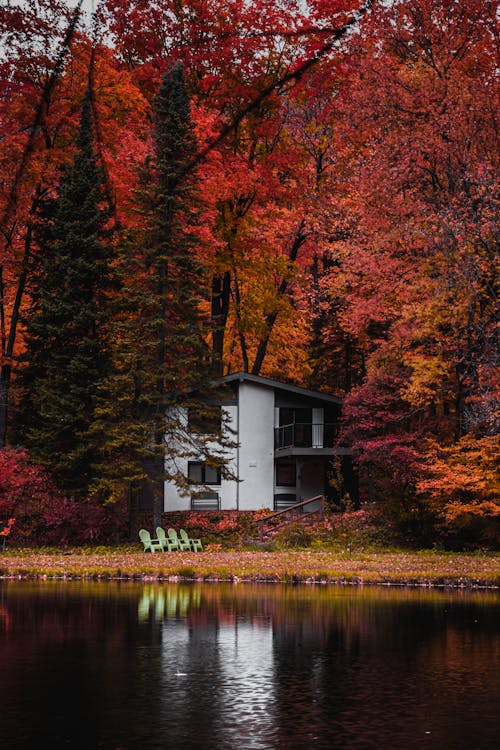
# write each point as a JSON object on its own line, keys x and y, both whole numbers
{"x": 43, "y": 515}
{"x": 377, "y": 165}
{"x": 7, "y": 529}
{"x": 377, "y": 423}
{"x": 22, "y": 482}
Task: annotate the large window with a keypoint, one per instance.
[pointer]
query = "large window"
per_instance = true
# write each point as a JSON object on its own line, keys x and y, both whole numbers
{"x": 296, "y": 427}
{"x": 202, "y": 473}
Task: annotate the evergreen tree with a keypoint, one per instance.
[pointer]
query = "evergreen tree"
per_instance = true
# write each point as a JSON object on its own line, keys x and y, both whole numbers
{"x": 67, "y": 354}
{"x": 162, "y": 363}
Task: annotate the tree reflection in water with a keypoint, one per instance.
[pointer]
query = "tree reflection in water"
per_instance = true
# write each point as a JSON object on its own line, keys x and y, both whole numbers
{"x": 219, "y": 666}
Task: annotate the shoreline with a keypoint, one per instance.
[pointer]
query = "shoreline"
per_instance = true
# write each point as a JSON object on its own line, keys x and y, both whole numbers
{"x": 423, "y": 569}
{"x": 478, "y": 586}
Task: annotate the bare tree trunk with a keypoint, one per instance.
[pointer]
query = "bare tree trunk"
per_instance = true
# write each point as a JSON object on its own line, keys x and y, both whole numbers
{"x": 239, "y": 322}
{"x": 133, "y": 511}
{"x": 347, "y": 363}
{"x": 158, "y": 493}
{"x": 221, "y": 294}
{"x": 298, "y": 241}
{"x": 9, "y": 340}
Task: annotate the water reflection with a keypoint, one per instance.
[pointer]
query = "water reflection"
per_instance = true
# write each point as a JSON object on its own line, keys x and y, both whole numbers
{"x": 219, "y": 666}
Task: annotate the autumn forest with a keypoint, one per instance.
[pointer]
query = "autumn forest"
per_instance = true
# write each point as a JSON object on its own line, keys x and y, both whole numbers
{"x": 306, "y": 191}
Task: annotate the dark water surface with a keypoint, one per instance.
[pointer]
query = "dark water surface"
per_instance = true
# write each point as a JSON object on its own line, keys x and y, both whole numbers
{"x": 129, "y": 665}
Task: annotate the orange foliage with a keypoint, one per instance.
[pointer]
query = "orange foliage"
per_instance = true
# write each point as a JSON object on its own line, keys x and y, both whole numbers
{"x": 348, "y": 215}
{"x": 463, "y": 479}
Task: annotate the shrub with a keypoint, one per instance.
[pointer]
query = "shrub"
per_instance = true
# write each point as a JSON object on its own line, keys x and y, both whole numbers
{"x": 293, "y": 536}
{"x": 45, "y": 516}
{"x": 226, "y": 527}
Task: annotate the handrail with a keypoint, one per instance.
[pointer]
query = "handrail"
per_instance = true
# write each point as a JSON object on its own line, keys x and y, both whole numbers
{"x": 291, "y": 509}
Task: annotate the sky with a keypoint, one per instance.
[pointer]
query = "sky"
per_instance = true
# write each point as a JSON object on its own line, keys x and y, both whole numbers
{"x": 87, "y": 5}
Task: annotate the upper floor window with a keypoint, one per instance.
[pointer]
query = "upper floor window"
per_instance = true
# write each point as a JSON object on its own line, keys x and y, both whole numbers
{"x": 298, "y": 423}
{"x": 295, "y": 416}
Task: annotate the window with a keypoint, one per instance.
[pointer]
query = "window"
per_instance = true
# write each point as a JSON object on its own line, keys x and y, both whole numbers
{"x": 295, "y": 416}
{"x": 201, "y": 473}
{"x": 285, "y": 474}
{"x": 296, "y": 427}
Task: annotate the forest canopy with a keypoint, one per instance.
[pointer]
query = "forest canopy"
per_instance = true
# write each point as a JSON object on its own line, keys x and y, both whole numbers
{"x": 304, "y": 191}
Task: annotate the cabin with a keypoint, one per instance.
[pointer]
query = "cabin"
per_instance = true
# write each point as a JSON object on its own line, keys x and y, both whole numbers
{"x": 284, "y": 438}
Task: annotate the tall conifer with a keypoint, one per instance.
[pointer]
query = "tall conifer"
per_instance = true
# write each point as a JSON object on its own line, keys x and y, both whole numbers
{"x": 184, "y": 369}
{"x": 162, "y": 362}
{"x": 67, "y": 356}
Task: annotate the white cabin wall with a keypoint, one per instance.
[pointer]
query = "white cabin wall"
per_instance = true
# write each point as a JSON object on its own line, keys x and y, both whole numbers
{"x": 172, "y": 498}
{"x": 228, "y": 488}
{"x": 175, "y": 500}
{"x": 256, "y": 452}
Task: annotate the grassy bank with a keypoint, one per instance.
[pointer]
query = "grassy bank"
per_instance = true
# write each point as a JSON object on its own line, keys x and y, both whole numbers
{"x": 425, "y": 568}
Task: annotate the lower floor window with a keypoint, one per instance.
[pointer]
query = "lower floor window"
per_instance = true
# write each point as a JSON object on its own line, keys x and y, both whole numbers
{"x": 285, "y": 474}
{"x": 201, "y": 473}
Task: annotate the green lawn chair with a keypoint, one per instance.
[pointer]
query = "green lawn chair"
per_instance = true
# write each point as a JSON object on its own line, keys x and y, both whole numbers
{"x": 181, "y": 545}
{"x": 195, "y": 544}
{"x": 150, "y": 545}
{"x": 168, "y": 544}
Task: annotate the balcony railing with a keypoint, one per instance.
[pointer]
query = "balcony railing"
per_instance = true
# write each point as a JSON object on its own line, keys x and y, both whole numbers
{"x": 305, "y": 435}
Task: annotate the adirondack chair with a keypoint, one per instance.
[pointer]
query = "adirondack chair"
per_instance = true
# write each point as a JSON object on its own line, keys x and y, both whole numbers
{"x": 150, "y": 545}
{"x": 168, "y": 544}
{"x": 195, "y": 544}
{"x": 181, "y": 545}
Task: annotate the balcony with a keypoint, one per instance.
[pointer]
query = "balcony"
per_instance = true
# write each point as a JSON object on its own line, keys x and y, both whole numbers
{"x": 311, "y": 437}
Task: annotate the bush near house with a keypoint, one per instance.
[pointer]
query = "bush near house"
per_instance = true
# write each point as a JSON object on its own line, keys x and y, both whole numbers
{"x": 44, "y": 516}
{"x": 337, "y": 530}
{"x": 228, "y": 528}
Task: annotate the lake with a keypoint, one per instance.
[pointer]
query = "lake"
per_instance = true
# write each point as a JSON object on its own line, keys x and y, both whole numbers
{"x": 145, "y": 666}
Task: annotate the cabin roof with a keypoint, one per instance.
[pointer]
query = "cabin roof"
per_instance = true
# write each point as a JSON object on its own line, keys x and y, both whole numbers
{"x": 241, "y": 377}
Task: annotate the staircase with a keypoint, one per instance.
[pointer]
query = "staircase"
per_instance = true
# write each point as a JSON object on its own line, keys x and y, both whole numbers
{"x": 296, "y": 513}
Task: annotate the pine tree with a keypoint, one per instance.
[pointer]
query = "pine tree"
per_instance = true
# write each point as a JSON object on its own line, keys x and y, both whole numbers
{"x": 184, "y": 367}
{"x": 162, "y": 363}
{"x": 67, "y": 354}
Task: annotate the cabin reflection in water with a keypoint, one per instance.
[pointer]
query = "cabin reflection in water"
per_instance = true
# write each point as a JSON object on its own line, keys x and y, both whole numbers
{"x": 294, "y": 662}
{"x": 252, "y": 666}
